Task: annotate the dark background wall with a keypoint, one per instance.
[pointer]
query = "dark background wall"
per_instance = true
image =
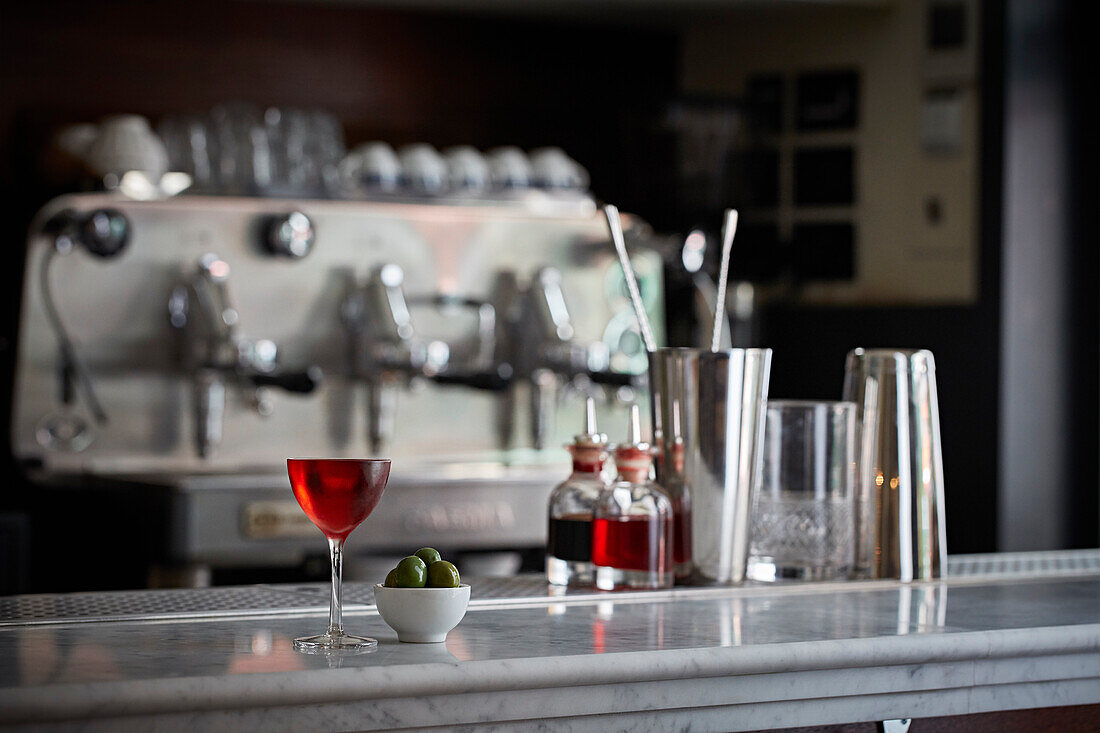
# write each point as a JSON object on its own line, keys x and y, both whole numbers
{"x": 1084, "y": 236}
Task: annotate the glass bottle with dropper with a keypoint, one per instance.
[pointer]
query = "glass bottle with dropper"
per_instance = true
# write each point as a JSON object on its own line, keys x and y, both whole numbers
{"x": 569, "y": 547}
{"x": 632, "y": 522}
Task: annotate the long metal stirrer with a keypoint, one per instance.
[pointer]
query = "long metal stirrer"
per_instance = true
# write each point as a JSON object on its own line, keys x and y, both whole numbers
{"x": 616, "y": 227}
{"x": 729, "y": 229}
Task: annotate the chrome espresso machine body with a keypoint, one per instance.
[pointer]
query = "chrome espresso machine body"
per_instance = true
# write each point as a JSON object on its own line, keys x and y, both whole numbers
{"x": 190, "y": 345}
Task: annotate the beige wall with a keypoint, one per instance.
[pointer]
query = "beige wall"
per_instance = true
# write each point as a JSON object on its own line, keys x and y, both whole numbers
{"x": 901, "y": 256}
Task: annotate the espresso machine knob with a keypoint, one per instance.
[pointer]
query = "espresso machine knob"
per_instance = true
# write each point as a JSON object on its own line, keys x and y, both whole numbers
{"x": 105, "y": 232}
{"x": 290, "y": 235}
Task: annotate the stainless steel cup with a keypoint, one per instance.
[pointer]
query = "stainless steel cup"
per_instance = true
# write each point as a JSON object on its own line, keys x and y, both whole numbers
{"x": 900, "y": 527}
{"x": 708, "y": 420}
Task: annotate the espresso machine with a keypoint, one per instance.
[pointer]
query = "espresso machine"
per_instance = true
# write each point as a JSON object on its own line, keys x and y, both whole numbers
{"x": 188, "y": 345}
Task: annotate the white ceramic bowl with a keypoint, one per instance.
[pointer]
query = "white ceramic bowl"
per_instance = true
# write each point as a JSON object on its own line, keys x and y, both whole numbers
{"x": 423, "y": 168}
{"x": 467, "y": 168}
{"x": 509, "y": 167}
{"x": 422, "y": 615}
{"x": 371, "y": 166}
{"x": 127, "y": 143}
{"x": 552, "y": 168}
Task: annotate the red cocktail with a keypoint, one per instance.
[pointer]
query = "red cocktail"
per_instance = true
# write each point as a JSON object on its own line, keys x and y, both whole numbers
{"x": 337, "y": 494}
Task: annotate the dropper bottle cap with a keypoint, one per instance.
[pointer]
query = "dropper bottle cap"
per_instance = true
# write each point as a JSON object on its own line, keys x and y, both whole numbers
{"x": 590, "y": 437}
{"x": 589, "y": 449}
{"x": 634, "y": 457}
{"x": 634, "y": 430}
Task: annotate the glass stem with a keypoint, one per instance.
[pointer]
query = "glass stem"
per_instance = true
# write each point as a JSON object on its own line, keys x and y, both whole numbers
{"x": 335, "y": 619}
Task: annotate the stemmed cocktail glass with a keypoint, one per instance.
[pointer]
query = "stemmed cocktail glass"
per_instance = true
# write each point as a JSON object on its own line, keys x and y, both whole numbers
{"x": 337, "y": 494}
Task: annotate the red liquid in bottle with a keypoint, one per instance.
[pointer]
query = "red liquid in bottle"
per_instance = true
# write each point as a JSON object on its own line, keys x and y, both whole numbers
{"x": 336, "y": 494}
{"x": 681, "y": 532}
{"x": 633, "y": 543}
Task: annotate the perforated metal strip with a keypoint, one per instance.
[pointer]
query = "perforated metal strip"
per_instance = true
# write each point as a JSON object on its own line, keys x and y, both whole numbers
{"x": 1002, "y": 564}
{"x": 312, "y": 598}
{"x": 150, "y": 604}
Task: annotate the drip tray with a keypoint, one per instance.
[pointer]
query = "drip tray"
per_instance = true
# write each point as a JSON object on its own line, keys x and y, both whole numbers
{"x": 151, "y": 604}
{"x": 237, "y": 601}
{"x": 312, "y": 598}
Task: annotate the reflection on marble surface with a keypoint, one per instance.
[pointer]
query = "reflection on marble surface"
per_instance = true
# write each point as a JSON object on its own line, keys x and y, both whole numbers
{"x": 34, "y": 656}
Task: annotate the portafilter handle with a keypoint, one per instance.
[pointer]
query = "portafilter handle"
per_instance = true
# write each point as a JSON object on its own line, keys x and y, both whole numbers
{"x": 497, "y": 381}
{"x": 302, "y": 382}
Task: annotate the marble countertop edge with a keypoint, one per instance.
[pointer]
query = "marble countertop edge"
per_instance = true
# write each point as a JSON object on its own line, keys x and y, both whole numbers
{"x": 107, "y": 698}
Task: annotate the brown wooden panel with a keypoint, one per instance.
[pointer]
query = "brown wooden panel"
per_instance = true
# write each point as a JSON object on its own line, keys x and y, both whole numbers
{"x": 1072, "y": 719}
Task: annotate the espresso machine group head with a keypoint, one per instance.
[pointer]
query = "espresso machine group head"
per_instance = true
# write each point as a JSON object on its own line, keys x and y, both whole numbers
{"x": 215, "y": 356}
{"x": 387, "y": 354}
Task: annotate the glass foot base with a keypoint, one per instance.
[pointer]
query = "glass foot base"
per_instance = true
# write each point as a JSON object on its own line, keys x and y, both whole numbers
{"x": 614, "y": 579}
{"x": 769, "y": 570}
{"x": 334, "y": 643}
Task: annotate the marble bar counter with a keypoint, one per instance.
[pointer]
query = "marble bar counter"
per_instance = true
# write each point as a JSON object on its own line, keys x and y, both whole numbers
{"x": 1023, "y": 634}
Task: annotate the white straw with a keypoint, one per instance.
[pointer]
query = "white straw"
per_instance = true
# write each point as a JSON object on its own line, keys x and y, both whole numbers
{"x": 616, "y": 227}
{"x": 729, "y": 229}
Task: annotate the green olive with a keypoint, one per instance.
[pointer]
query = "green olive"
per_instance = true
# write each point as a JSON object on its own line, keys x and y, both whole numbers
{"x": 411, "y": 572}
{"x": 391, "y": 579}
{"x": 428, "y": 555}
{"x": 442, "y": 574}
